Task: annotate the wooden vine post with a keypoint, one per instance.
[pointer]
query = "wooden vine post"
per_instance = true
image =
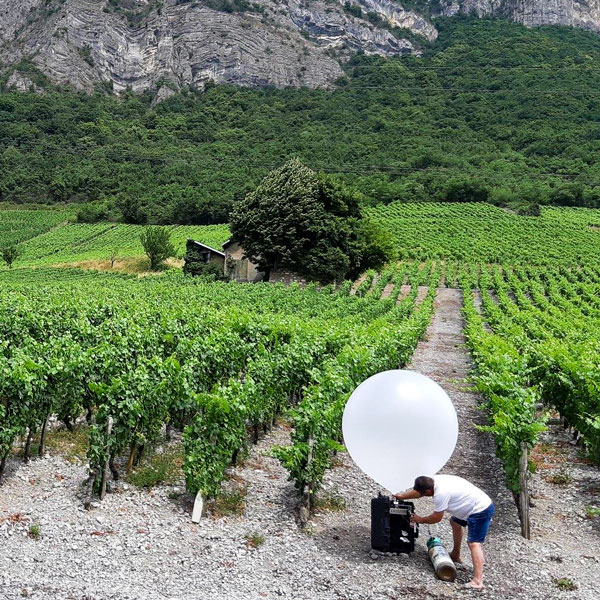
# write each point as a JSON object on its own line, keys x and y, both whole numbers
{"x": 131, "y": 458}
{"x": 524, "y": 493}
{"x": 106, "y": 462}
{"x": 3, "y": 463}
{"x": 42, "y": 447}
{"x": 305, "y": 503}
{"x": 27, "y": 451}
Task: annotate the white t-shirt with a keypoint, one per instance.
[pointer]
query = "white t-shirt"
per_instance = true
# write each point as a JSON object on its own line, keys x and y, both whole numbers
{"x": 458, "y": 496}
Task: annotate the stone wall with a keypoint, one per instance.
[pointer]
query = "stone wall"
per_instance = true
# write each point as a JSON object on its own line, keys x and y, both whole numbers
{"x": 287, "y": 277}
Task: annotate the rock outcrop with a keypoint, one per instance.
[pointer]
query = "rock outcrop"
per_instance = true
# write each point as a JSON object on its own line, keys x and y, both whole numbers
{"x": 172, "y": 44}
{"x": 584, "y": 14}
{"x": 141, "y": 44}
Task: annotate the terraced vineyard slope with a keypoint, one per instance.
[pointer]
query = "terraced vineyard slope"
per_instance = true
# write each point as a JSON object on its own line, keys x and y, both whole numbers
{"x": 481, "y": 232}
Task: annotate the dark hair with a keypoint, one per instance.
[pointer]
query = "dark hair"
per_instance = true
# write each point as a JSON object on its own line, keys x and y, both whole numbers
{"x": 422, "y": 484}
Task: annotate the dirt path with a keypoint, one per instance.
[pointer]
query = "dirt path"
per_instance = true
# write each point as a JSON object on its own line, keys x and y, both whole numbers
{"x": 387, "y": 290}
{"x": 357, "y": 284}
{"x": 405, "y": 290}
{"x": 443, "y": 357}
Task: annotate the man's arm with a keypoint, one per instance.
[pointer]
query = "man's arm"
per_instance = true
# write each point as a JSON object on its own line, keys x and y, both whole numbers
{"x": 434, "y": 517}
{"x": 408, "y": 495}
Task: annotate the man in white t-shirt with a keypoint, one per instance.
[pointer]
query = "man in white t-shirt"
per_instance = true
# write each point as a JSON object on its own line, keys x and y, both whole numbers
{"x": 469, "y": 506}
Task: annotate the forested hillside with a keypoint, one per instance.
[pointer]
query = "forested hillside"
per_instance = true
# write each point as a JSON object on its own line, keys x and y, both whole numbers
{"x": 492, "y": 112}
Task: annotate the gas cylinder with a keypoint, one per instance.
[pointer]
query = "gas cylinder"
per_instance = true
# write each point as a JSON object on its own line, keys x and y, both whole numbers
{"x": 443, "y": 565}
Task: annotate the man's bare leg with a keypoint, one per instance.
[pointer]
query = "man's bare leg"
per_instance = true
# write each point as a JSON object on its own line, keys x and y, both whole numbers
{"x": 457, "y": 536}
{"x": 477, "y": 555}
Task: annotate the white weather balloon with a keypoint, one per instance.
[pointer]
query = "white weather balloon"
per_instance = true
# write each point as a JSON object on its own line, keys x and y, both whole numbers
{"x": 398, "y": 425}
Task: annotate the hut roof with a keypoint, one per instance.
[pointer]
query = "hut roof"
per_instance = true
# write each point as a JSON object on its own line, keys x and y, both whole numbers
{"x": 201, "y": 245}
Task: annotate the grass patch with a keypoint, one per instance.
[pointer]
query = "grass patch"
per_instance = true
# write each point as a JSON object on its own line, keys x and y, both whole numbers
{"x": 546, "y": 456}
{"x": 34, "y": 531}
{"x": 591, "y": 512}
{"x": 308, "y": 531}
{"x": 159, "y": 468}
{"x": 565, "y": 584}
{"x": 71, "y": 445}
{"x": 255, "y": 539}
{"x": 329, "y": 502}
{"x": 131, "y": 264}
{"x": 546, "y": 448}
{"x": 283, "y": 422}
{"x": 561, "y": 477}
{"x": 228, "y": 503}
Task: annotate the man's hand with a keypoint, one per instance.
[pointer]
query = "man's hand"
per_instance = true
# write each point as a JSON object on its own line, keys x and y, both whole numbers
{"x": 416, "y": 519}
{"x": 408, "y": 495}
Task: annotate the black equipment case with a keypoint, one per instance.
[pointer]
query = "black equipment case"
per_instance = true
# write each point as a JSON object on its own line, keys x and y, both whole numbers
{"x": 391, "y": 530}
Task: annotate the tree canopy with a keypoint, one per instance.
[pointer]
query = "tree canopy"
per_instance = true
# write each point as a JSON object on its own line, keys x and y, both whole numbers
{"x": 307, "y": 223}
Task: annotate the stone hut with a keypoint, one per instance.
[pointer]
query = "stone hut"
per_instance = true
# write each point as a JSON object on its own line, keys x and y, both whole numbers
{"x": 232, "y": 263}
{"x": 236, "y": 266}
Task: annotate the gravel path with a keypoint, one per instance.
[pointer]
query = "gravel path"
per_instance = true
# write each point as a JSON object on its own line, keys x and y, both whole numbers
{"x": 142, "y": 545}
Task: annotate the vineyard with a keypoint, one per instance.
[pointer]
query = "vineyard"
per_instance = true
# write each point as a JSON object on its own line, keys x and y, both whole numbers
{"x": 452, "y": 232}
{"x": 216, "y": 361}
{"x": 75, "y": 243}
{"x": 47, "y": 237}
{"x": 127, "y": 366}
{"x": 17, "y": 226}
{"x": 534, "y": 336}
{"x": 482, "y": 233}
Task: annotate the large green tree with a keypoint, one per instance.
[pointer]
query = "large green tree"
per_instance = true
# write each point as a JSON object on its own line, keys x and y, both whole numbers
{"x": 305, "y": 222}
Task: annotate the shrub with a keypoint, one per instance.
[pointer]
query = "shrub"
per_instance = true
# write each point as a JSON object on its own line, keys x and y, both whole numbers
{"x": 564, "y": 583}
{"x": 92, "y": 213}
{"x": 228, "y": 503}
{"x": 255, "y": 539}
{"x": 561, "y": 477}
{"x": 210, "y": 271}
{"x": 34, "y": 531}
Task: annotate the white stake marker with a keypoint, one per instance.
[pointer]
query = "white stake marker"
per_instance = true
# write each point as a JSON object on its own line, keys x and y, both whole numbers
{"x": 197, "y": 512}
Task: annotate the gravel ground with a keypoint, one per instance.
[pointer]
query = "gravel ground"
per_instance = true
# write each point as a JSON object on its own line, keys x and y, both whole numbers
{"x": 143, "y": 545}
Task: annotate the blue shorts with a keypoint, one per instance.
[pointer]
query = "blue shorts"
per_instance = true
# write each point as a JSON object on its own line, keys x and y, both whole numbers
{"x": 478, "y": 524}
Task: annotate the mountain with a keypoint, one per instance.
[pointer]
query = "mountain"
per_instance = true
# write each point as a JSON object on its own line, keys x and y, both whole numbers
{"x": 492, "y": 111}
{"x": 143, "y": 44}
{"x": 175, "y": 44}
{"x": 584, "y": 14}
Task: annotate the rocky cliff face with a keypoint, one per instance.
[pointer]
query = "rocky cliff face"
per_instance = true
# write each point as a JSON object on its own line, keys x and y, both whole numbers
{"x": 144, "y": 43}
{"x": 170, "y": 44}
{"x": 577, "y": 13}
